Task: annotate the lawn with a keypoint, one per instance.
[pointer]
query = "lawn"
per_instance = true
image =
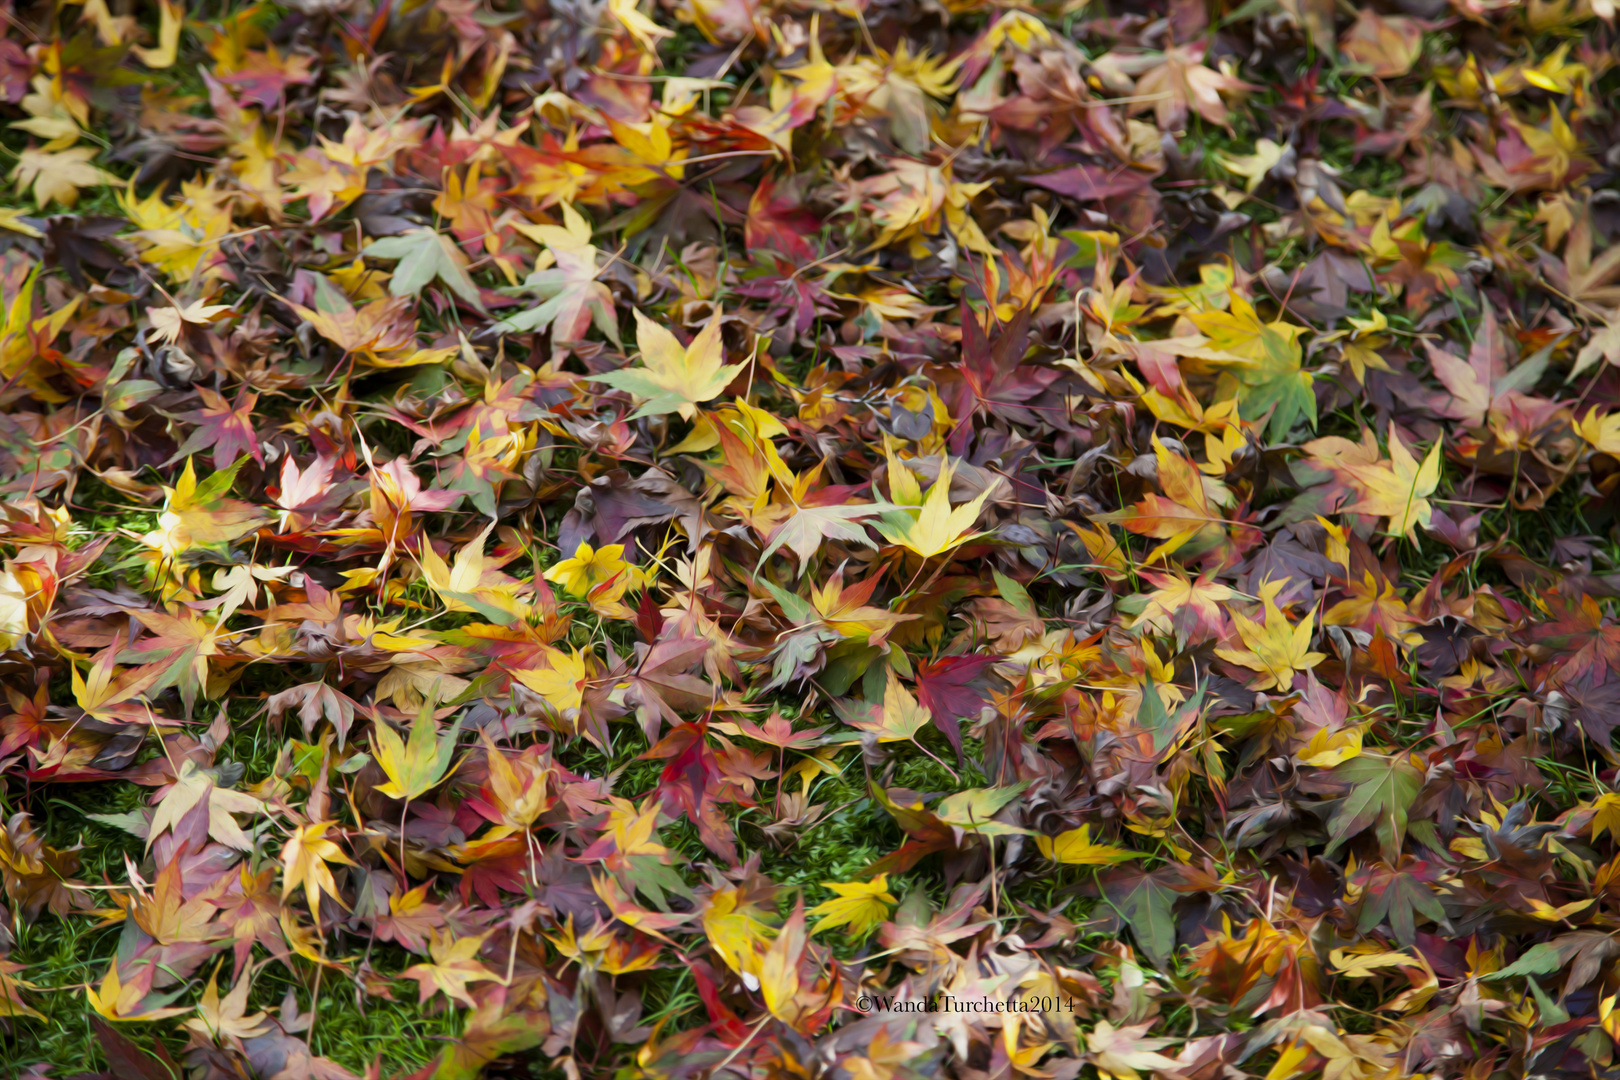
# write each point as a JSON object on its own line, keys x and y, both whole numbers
{"x": 744, "y": 539}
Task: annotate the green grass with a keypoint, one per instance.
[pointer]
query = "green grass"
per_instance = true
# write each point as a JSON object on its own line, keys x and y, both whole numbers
{"x": 65, "y": 954}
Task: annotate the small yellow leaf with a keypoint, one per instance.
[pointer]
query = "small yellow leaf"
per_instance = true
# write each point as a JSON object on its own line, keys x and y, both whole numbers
{"x": 1076, "y": 847}
{"x": 858, "y": 907}
{"x": 562, "y": 684}
{"x": 1327, "y": 748}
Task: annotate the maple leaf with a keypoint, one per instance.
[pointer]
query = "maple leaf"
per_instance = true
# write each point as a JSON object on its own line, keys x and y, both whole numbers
{"x": 227, "y": 1019}
{"x": 172, "y": 18}
{"x": 572, "y": 296}
{"x": 844, "y": 609}
{"x": 777, "y": 219}
{"x": 1177, "y": 517}
{"x": 425, "y": 255}
{"x": 199, "y": 513}
{"x": 13, "y": 1003}
{"x": 381, "y": 333}
{"x": 673, "y": 378}
{"x": 739, "y": 930}
{"x": 192, "y": 788}
{"x": 14, "y": 623}
{"x": 779, "y": 970}
{"x": 561, "y": 682}
{"x": 633, "y": 832}
{"x": 952, "y": 688}
{"x": 1181, "y": 82}
{"x": 455, "y": 963}
{"x": 589, "y": 568}
{"x": 472, "y": 583}
{"x": 179, "y": 647}
{"x": 935, "y": 527}
{"x": 1397, "y": 895}
{"x": 1188, "y": 608}
{"x": 1329, "y": 747}
{"x": 37, "y": 877}
{"x": 1274, "y": 382}
{"x": 416, "y": 767}
{"x": 1385, "y": 46}
{"x": 1605, "y": 815}
{"x": 1076, "y": 846}
{"x": 1579, "y": 275}
{"x": 169, "y": 322}
{"x": 858, "y": 907}
{"x": 304, "y": 857}
{"x": 227, "y": 428}
{"x": 1382, "y": 789}
{"x": 492, "y": 1031}
{"x": 899, "y": 718}
{"x": 1276, "y": 648}
{"x": 123, "y": 1001}
{"x": 974, "y": 811}
{"x": 810, "y": 526}
{"x": 517, "y": 789}
{"x": 995, "y": 379}
{"x": 57, "y": 176}
{"x": 1256, "y": 166}
{"x": 1120, "y": 1052}
{"x": 917, "y": 198}
{"x": 1483, "y": 383}
{"x": 1400, "y": 488}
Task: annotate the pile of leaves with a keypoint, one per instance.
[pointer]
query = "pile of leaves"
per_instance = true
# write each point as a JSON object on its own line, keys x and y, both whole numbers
{"x": 670, "y": 539}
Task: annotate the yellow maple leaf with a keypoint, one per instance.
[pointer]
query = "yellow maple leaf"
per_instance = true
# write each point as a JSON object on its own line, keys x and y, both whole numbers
{"x": 413, "y": 768}
{"x": 227, "y": 1017}
{"x": 562, "y": 683}
{"x": 168, "y": 48}
{"x": 1398, "y": 489}
{"x": 1077, "y": 847}
{"x": 646, "y": 32}
{"x": 635, "y": 829}
{"x": 117, "y": 1000}
{"x": 1605, "y": 815}
{"x": 58, "y": 176}
{"x": 304, "y": 857}
{"x": 180, "y": 237}
{"x": 590, "y": 567}
{"x": 1276, "y": 649}
{"x": 858, "y": 908}
{"x": 737, "y": 931}
{"x": 1329, "y": 747}
{"x": 1602, "y": 433}
{"x": 935, "y": 527}
{"x": 1254, "y": 167}
{"x": 471, "y": 583}
{"x": 674, "y": 378}
{"x": 455, "y": 964}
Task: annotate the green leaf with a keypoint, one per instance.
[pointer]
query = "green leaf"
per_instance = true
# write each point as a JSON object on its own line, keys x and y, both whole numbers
{"x": 423, "y": 255}
{"x": 1167, "y": 727}
{"x": 972, "y": 810}
{"x": 413, "y": 768}
{"x": 1277, "y": 380}
{"x": 1145, "y": 902}
{"x": 1399, "y": 896}
{"x": 1382, "y": 790}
